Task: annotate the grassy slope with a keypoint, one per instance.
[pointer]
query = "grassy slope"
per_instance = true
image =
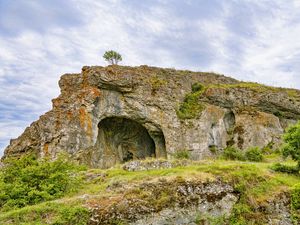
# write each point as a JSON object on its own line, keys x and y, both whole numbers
{"x": 255, "y": 181}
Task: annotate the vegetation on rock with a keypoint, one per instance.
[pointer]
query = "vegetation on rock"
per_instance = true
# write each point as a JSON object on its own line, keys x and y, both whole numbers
{"x": 191, "y": 107}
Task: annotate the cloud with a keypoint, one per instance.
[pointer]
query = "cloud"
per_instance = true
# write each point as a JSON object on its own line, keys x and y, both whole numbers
{"x": 40, "y": 40}
{"x": 42, "y": 15}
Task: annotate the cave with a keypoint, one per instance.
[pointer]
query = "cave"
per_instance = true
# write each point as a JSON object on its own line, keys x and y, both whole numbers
{"x": 121, "y": 139}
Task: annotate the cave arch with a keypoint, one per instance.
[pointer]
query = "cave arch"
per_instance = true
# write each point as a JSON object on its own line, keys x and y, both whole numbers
{"x": 122, "y": 139}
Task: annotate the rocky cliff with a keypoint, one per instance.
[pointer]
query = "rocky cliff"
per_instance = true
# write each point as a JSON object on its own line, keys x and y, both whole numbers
{"x": 108, "y": 115}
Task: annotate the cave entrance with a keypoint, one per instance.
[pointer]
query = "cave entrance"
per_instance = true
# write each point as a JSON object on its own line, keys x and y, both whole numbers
{"x": 121, "y": 139}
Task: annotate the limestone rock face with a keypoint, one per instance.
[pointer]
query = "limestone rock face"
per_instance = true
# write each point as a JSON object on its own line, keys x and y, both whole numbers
{"x": 108, "y": 115}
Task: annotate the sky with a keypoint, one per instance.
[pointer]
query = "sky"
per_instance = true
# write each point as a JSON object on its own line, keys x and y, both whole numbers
{"x": 250, "y": 40}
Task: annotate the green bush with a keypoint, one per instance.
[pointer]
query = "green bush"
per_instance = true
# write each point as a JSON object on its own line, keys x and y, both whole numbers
{"x": 184, "y": 154}
{"x": 197, "y": 87}
{"x": 291, "y": 145}
{"x": 295, "y": 197}
{"x": 285, "y": 168}
{"x": 232, "y": 153}
{"x": 269, "y": 148}
{"x": 254, "y": 154}
{"x": 27, "y": 181}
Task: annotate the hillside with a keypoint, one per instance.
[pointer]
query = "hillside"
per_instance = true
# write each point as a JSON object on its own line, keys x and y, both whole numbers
{"x": 172, "y": 192}
{"x": 146, "y": 145}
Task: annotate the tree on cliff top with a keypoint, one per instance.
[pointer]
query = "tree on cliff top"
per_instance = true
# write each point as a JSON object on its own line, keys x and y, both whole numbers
{"x": 112, "y": 57}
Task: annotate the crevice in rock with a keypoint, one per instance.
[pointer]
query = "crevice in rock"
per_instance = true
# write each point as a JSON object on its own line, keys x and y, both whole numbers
{"x": 229, "y": 121}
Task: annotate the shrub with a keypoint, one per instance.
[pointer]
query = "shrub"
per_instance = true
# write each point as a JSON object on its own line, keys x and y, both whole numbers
{"x": 269, "y": 148}
{"x": 295, "y": 197}
{"x": 285, "y": 168}
{"x": 233, "y": 153}
{"x": 291, "y": 145}
{"x": 197, "y": 87}
{"x": 184, "y": 154}
{"x": 254, "y": 154}
{"x": 28, "y": 181}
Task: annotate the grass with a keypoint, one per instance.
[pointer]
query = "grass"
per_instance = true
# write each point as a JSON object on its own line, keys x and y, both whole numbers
{"x": 258, "y": 175}
{"x": 48, "y": 213}
{"x": 256, "y": 182}
{"x": 292, "y": 93}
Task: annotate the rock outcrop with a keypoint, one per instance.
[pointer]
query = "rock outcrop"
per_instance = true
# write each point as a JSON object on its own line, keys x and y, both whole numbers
{"x": 165, "y": 202}
{"x": 108, "y": 115}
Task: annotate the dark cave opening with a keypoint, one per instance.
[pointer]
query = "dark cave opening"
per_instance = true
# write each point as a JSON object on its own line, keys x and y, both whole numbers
{"x": 122, "y": 139}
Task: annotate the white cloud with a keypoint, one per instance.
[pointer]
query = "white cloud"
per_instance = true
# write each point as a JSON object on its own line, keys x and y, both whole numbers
{"x": 250, "y": 40}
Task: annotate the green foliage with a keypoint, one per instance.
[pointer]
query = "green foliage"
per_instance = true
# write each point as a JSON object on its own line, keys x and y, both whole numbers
{"x": 184, "y": 154}
{"x": 197, "y": 87}
{"x": 232, "y": 153}
{"x": 213, "y": 149}
{"x": 48, "y": 213}
{"x": 269, "y": 148}
{"x": 291, "y": 145}
{"x": 254, "y": 154}
{"x": 28, "y": 181}
{"x": 212, "y": 220}
{"x": 279, "y": 114}
{"x": 278, "y": 167}
{"x": 295, "y": 197}
{"x": 156, "y": 83}
{"x": 112, "y": 57}
{"x": 191, "y": 107}
{"x": 239, "y": 211}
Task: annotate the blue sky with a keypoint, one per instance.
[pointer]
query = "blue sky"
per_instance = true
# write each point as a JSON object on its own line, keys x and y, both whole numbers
{"x": 251, "y": 40}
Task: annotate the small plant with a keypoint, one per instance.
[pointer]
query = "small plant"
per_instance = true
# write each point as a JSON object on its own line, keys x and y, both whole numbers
{"x": 184, "y": 154}
{"x": 191, "y": 107}
{"x": 197, "y": 87}
{"x": 269, "y": 148}
{"x": 213, "y": 149}
{"x": 233, "y": 153}
{"x": 112, "y": 57}
{"x": 156, "y": 83}
{"x": 278, "y": 167}
{"x": 254, "y": 154}
{"x": 279, "y": 114}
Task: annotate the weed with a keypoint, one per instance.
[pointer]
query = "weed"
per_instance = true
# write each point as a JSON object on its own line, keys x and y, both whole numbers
{"x": 233, "y": 153}
{"x": 183, "y": 154}
{"x": 254, "y": 154}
